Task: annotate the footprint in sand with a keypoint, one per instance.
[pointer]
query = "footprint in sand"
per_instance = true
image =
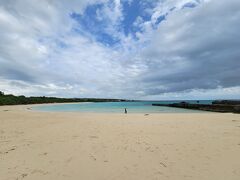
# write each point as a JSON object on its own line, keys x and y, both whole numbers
{"x": 164, "y": 165}
{"x": 91, "y": 156}
{"x": 12, "y": 149}
{"x": 159, "y": 173}
{"x": 24, "y": 175}
{"x": 75, "y": 136}
{"x": 44, "y": 154}
{"x": 39, "y": 171}
{"x": 147, "y": 148}
{"x": 69, "y": 160}
{"x": 93, "y": 137}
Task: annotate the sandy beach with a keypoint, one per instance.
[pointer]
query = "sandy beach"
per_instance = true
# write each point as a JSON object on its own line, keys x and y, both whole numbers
{"x": 48, "y": 145}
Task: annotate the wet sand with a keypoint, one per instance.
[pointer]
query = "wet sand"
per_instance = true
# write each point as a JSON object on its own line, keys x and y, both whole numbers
{"x": 47, "y": 145}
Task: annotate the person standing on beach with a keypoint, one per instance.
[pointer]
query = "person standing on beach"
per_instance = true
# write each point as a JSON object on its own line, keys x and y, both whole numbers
{"x": 125, "y": 110}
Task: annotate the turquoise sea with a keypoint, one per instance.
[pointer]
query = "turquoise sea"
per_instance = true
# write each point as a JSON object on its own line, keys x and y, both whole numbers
{"x": 118, "y": 107}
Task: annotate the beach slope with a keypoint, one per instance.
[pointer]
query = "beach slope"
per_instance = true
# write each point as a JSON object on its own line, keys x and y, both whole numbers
{"x": 48, "y": 145}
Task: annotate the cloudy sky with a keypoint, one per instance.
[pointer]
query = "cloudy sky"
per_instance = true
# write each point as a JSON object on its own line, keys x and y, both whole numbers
{"x": 137, "y": 49}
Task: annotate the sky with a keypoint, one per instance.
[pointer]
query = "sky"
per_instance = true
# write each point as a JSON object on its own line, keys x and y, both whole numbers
{"x": 131, "y": 49}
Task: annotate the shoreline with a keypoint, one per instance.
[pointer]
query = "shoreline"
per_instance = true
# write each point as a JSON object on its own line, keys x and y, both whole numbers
{"x": 30, "y": 106}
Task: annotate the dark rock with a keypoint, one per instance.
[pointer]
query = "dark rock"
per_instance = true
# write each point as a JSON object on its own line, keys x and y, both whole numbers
{"x": 226, "y": 107}
{"x": 228, "y": 102}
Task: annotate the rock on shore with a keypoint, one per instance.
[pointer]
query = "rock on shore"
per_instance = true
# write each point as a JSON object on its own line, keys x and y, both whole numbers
{"x": 224, "y": 106}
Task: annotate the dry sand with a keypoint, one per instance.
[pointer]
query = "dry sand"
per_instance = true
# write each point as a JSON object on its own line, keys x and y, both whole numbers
{"x": 79, "y": 146}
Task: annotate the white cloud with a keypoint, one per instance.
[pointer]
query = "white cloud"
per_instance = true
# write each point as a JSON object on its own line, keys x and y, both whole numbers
{"x": 193, "y": 52}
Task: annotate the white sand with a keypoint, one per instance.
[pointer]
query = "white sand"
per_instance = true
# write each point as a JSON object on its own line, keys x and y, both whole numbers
{"x": 79, "y": 146}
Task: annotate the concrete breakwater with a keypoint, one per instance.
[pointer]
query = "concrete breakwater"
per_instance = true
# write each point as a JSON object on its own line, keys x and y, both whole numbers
{"x": 224, "y": 106}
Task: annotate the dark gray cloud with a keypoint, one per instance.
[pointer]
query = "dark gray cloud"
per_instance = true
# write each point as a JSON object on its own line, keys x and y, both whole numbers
{"x": 196, "y": 49}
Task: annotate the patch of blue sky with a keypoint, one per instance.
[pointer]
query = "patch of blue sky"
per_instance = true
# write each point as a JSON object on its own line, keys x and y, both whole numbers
{"x": 93, "y": 23}
{"x": 159, "y": 20}
{"x": 163, "y": 17}
{"x": 189, "y": 5}
{"x": 89, "y": 23}
{"x": 131, "y": 11}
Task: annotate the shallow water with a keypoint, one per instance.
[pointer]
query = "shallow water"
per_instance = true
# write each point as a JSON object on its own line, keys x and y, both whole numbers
{"x": 118, "y": 107}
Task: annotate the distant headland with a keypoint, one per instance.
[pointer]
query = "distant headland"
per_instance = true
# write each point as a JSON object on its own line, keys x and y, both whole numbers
{"x": 9, "y": 99}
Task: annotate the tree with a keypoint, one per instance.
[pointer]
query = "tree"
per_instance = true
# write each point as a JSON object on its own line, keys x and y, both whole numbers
{"x": 1, "y": 93}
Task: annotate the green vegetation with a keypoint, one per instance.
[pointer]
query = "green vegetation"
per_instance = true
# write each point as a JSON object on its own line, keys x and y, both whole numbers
{"x": 10, "y": 99}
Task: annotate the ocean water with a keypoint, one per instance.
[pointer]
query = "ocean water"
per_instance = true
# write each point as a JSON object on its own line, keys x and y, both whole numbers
{"x": 118, "y": 107}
